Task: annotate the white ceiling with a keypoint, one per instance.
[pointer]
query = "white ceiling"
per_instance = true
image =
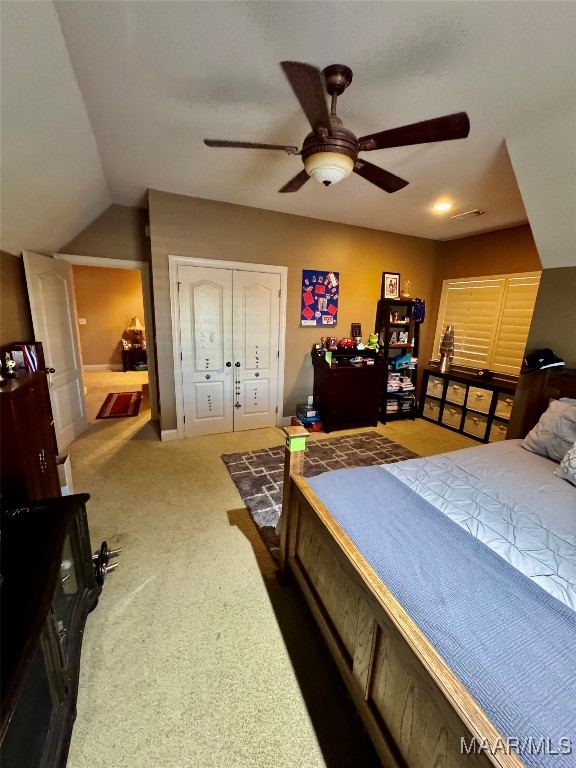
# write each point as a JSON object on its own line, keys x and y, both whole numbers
{"x": 158, "y": 77}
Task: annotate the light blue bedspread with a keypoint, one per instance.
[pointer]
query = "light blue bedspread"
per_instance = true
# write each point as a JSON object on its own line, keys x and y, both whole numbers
{"x": 510, "y": 643}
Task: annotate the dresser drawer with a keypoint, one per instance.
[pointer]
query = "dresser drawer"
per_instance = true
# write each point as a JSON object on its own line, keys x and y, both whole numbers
{"x": 475, "y": 424}
{"x": 498, "y": 431}
{"x": 456, "y": 392}
{"x": 479, "y": 399}
{"x": 435, "y": 386}
{"x": 431, "y": 409}
{"x": 504, "y": 406}
{"x": 452, "y": 416}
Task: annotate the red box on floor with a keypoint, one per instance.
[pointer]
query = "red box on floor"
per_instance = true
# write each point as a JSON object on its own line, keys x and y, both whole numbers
{"x": 316, "y": 427}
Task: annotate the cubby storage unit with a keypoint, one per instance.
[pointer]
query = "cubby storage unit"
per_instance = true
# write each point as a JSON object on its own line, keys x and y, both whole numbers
{"x": 462, "y": 401}
{"x": 398, "y": 335}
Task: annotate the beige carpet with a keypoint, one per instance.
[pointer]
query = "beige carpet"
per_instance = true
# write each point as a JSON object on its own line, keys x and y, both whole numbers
{"x": 195, "y": 657}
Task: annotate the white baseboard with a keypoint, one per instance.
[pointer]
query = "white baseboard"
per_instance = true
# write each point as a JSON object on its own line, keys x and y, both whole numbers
{"x": 168, "y": 434}
{"x": 97, "y": 368}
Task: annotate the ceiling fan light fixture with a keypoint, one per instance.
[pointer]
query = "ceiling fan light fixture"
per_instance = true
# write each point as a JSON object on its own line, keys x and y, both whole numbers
{"x": 328, "y": 167}
{"x": 442, "y": 207}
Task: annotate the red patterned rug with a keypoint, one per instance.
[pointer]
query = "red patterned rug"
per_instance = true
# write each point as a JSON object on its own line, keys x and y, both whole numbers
{"x": 119, "y": 404}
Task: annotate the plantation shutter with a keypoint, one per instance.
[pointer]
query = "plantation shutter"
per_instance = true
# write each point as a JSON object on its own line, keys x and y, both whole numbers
{"x": 491, "y": 318}
{"x": 515, "y": 318}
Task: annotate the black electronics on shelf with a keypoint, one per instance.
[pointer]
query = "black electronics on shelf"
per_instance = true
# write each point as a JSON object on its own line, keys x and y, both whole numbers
{"x": 398, "y": 336}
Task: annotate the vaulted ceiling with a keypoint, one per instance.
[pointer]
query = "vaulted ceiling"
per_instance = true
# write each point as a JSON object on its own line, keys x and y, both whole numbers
{"x": 102, "y": 100}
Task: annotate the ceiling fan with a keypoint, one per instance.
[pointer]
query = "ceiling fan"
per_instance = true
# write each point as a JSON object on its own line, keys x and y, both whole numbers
{"x": 330, "y": 151}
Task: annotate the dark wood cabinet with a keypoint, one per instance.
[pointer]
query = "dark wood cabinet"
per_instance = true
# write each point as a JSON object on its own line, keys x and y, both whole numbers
{"x": 48, "y": 588}
{"x": 398, "y": 335}
{"x": 133, "y": 357}
{"x": 28, "y": 447}
{"x": 346, "y": 395}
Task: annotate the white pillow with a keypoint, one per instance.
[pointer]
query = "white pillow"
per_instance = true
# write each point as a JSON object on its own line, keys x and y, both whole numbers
{"x": 567, "y": 468}
{"x": 555, "y": 433}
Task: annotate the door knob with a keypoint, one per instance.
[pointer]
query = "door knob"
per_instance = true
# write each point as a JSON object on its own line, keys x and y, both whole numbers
{"x": 50, "y": 370}
{"x": 237, "y": 365}
{"x": 228, "y": 364}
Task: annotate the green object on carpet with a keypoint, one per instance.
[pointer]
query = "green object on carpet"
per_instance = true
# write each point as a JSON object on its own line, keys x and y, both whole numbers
{"x": 119, "y": 404}
{"x": 259, "y": 475}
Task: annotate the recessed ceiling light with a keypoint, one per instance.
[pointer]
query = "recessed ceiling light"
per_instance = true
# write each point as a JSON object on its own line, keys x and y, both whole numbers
{"x": 442, "y": 206}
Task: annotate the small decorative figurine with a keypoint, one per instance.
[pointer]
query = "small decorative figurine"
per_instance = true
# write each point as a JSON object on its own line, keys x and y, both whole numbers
{"x": 9, "y": 365}
{"x": 405, "y": 292}
{"x": 372, "y": 342}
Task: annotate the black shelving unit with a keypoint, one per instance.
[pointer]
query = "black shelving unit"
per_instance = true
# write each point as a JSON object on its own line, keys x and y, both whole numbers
{"x": 398, "y": 335}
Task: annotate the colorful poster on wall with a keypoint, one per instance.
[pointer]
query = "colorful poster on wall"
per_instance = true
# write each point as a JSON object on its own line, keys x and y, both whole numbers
{"x": 320, "y": 292}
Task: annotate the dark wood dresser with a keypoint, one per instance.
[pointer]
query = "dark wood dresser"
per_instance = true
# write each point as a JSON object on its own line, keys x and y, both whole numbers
{"x": 28, "y": 468}
{"x": 346, "y": 395}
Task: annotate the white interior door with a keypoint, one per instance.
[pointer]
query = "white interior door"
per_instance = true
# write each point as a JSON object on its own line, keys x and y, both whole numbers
{"x": 205, "y": 303}
{"x": 256, "y": 321}
{"x": 51, "y": 294}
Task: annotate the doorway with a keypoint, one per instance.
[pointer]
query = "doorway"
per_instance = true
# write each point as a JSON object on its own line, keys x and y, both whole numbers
{"x": 112, "y": 336}
{"x": 106, "y": 369}
{"x": 228, "y": 330}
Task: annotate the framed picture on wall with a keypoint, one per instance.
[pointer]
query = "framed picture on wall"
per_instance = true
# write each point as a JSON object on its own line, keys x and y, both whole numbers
{"x": 390, "y": 285}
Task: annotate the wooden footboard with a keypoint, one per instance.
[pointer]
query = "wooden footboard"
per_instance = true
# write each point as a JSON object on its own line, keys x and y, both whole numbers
{"x": 416, "y": 711}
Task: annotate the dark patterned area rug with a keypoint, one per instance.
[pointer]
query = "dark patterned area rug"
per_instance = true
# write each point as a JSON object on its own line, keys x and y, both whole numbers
{"x": 259, "y": 475}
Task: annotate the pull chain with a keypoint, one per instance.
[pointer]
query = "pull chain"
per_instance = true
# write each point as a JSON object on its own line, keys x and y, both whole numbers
{"x": 237, "y": 386}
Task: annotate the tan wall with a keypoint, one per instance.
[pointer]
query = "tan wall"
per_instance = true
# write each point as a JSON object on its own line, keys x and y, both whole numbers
{"x": 493, "y": 253}
{"x": 206, "y": 229}
{"x": 15, "y": 320}
{"x": 108, "y": 299}
{"x": 187, "y": 226}
{"x": 118, "y": 233}
{"x": 554, "y": 318}
{"x": 554, "y": 326}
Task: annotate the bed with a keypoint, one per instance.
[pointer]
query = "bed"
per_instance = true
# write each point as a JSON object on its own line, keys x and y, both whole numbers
{"x": 445, "y": 589}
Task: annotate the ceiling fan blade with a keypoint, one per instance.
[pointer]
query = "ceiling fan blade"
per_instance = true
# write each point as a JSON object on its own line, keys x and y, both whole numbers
{"x": 295, "y": 183}
{"x": 383, "y": 179}
{"x": 250, "y": 145}
{"x": 308, "y": 84}
{"x": 445, "y": 128}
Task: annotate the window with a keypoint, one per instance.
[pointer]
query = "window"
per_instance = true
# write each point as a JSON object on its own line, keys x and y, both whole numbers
{"x": 491, "y": 318}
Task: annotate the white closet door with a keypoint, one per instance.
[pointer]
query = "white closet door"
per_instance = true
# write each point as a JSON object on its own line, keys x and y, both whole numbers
{"x": 205, "y": 300}
{"x": 256, "y": 319}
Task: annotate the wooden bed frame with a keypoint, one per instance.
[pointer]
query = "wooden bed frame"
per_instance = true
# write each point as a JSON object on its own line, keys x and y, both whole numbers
{"x": 418, "y": 714}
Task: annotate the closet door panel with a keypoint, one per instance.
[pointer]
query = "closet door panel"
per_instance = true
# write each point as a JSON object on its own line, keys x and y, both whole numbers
{"x": 256, "y": 318}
